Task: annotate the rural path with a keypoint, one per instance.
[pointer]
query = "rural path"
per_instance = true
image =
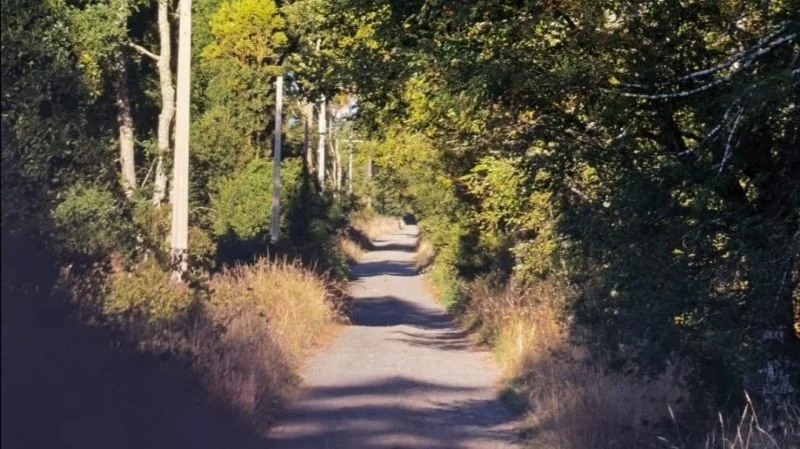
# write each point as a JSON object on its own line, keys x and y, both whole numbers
{"x": 401, "y": 376}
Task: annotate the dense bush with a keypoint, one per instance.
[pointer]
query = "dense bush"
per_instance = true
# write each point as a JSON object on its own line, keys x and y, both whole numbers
{"x": 145, "y": 294}
{"x": 90, "y": 221}
{"x": 251, "y": 341}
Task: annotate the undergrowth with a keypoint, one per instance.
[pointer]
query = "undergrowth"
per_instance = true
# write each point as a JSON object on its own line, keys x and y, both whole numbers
{"x": 570, "y": 400}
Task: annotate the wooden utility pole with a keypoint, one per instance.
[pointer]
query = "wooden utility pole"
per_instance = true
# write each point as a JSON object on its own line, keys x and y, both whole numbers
{"x": 276, "y": 162}
{"x": 323, "y": 121}
{"x": 338, "y": 165}
{"x": 369, "y": 182}
{"x": 179, "y": 235}
{"x": 308, "y": 120}
{"x": 350, "y": 143}
{"x": 350, "y": 170}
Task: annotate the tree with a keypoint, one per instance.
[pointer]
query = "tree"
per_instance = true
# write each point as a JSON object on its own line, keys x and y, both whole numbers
{"x": 163, "y": 62}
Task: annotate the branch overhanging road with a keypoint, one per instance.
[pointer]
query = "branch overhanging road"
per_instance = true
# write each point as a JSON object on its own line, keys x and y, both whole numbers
{"x": 402, "y": 376}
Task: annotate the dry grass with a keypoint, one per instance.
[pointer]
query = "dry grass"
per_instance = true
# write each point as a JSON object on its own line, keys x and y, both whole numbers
{"x": 373, "y": 225}
{"x": 260, "y": 322}
{"x": 424, "y": 256}
{"x": 571, "y": 403}
{"x": 350, "y": 248}
{"x": 749, "y": 431}
{"x": 364, "y": 228}
{"x": 244, "y": 337}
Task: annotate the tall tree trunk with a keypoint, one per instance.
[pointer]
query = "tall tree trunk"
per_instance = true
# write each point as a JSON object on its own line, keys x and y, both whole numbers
{"x": 338, "y": 165}
{"x": 350, "y": 170}
{"x": 321, "y": 143}
{"x": 369, "y": 182}
{"x": 179, "y": 235}
{"x": 126, "y": 131}
{"x": 308, "y": 121}
{"x": 276, "y": 162}
{"x": 167, "y": 100}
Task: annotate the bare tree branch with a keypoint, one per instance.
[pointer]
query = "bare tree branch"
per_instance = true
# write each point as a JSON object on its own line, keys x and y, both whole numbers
{"x": 748, "y": 61}
{"x": 143, "y": 51}
{"x": 735, "y": 57}
{"x": 728, "y": 144}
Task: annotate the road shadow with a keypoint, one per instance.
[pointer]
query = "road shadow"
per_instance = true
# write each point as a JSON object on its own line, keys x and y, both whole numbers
{"x": 385, "y": 311}
{"x": 67, "y": 386}
{"x": 369, "y": 416}
{"x": 454, "y": 340}
{"x": 383, "y": 268}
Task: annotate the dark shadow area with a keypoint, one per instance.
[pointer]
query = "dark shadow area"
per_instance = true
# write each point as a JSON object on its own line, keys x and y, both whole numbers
{"x": 405, "y": 248}
{"x": 392, "y": 311}
{"x": 456, "y": 340}
{"x": 381, "y": 244}
{"x": 68, "y": 386}
{"x": 409, "y": 219}
{"x": 382, "y": 268}
{"x": 368, "y": 416}
{"x": 394, "y": 385}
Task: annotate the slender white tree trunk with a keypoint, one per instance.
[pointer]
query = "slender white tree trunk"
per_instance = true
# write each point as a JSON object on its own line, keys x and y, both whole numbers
{"x": 369, "y": 182}
{"x": 276, "y": 163}
{"x": 321, "y": 143}
{"x": 350, "y": 171}
{"x": 180, "y": 176}
{"x": 338, "y": 165}
{"x": 125, "y": 124}
{"x": 167, "y": 100}
{"x": 308, "y": 121}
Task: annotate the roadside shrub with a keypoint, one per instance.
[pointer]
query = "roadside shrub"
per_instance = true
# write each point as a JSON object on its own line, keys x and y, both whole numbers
{"x": 202, "y": 251}
{"x": 372, "y": 225}
{"x": 146, "y": 293}
{"x": 89, "y": 221}
{"x": 243, "y": 204}
{"x": 571, "y": 402}
{"x": 259, "y": 323}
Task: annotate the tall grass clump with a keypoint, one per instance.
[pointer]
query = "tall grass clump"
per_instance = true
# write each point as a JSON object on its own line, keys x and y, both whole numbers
{"x": 570, "y": 401}
{"x": 260, "y": 321}
{"x": 243, "y": 331}
{"x": 363, "y": 228}
{"x": 371, "y": 225}
{"x": 747, "y": 430}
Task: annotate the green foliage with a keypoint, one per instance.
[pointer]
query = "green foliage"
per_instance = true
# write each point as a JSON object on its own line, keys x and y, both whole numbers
{"x": 146, "y": 293}
{"x": 641, "y": 155}
{"x": 89, "y": 220}
{"x": 99, "y": 31}
{"x": 249, "y": 32}
{"x": 244, "y": 202}
{"x": 202, "y": 250}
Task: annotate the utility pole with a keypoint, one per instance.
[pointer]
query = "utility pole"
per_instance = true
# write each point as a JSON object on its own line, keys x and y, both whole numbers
{"x": 308, "y": 119}
{"x": 276, "y": 162}
{"x": 369, "y": 182}
{"x": 179, "y": 234}
{"x": 350, "y": 163}
{"x": 350, "y": 170}
{"x": 323, "y": 121}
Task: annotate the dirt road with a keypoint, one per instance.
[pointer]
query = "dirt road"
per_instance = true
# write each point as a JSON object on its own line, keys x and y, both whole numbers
{"x": 402, "y": 376}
